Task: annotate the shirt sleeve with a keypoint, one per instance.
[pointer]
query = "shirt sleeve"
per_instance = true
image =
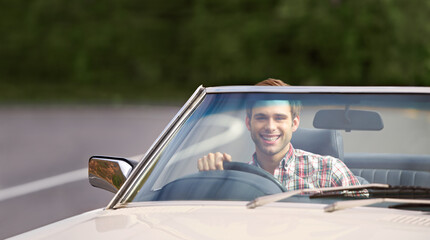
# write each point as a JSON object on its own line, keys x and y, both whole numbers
{"x": 342, "y": 176}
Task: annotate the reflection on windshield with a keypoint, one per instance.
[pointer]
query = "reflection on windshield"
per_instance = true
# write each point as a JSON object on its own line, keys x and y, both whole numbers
{"x": 222, "y": 129}
{"x": 354, "y": 140}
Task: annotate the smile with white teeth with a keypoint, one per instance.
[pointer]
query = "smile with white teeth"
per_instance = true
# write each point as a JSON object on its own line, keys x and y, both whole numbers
{"x": 270, "y": 138}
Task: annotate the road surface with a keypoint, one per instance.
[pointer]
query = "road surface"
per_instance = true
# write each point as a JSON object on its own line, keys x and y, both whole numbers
{"x": 44, "y": 153}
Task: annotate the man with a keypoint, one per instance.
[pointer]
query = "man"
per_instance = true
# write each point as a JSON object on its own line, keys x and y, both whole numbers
{"x": 271, "y": 124}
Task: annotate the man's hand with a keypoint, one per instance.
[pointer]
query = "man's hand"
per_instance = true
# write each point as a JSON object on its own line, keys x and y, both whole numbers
{"x": 213, "y": 161}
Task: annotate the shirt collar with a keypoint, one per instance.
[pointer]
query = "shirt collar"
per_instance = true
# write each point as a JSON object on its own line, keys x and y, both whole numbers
{"x": 289, "y": 157}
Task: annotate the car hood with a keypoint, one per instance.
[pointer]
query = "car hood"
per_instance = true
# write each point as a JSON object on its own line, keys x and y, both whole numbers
{"x": 210, "y": 220}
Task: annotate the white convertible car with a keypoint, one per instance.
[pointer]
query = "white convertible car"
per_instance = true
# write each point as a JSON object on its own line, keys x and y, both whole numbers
{"x": 379, "y": 137}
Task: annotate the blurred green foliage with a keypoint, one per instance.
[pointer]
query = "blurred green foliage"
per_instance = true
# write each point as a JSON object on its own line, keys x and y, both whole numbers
{"x": 128, "y": 50}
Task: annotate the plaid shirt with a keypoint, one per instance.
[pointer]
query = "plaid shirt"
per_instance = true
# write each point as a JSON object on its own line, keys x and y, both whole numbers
{"x": 301, "y": 170}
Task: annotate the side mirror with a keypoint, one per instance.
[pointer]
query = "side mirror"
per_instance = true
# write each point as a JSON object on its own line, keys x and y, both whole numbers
{"x": 109, "y": 173}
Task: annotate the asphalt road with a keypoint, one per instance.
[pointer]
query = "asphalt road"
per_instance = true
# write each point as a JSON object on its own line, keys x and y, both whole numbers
{"x": 44, "y": 153}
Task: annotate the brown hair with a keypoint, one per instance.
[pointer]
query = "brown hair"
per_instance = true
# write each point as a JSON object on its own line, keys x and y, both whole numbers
{"x": 271, "y": 82}
{"x": 295, "y": 105}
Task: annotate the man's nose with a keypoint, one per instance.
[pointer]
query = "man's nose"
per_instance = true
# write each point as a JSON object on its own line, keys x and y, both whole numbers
{"x": 270, "y": 125}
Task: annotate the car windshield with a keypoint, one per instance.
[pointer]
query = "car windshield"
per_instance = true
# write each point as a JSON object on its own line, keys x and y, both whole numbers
{"x": 378, "y": 138}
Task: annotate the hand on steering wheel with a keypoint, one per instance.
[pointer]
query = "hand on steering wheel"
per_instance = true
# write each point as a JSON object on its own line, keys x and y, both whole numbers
{"x": 221, "y": 161}
{"x": 213, "y": 161}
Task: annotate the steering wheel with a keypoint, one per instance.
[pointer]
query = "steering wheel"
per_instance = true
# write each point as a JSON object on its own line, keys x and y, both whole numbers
{"x": 244, "y": 167}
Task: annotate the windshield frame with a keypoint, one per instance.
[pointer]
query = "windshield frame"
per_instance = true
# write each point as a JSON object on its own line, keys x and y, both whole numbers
{"x": 145, "y": 165}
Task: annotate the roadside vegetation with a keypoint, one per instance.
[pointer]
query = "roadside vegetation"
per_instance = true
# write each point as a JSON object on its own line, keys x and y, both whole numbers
{"x": 133, "y": 51}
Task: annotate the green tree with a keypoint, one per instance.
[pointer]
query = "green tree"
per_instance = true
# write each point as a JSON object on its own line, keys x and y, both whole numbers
{"x": 132, "y": 50}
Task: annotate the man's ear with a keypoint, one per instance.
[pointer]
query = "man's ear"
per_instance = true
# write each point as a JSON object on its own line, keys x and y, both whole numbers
{"x": 247, "y": 122}
{"x": 296, "y": 123}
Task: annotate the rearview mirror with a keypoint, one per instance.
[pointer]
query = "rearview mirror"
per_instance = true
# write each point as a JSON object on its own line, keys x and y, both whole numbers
{"x": 109, "y": 173}
{"x": 348, "y": 120}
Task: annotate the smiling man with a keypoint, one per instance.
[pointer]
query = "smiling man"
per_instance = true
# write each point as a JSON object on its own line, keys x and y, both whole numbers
{"x": 271, "y": 124}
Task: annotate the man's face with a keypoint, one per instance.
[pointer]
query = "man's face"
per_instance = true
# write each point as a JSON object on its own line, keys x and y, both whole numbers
{"x": 271, "y": 128}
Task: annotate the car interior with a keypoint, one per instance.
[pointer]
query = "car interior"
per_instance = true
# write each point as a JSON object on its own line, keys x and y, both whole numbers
{"x": 393, "y": 169}
{"x": 324, "y": 134}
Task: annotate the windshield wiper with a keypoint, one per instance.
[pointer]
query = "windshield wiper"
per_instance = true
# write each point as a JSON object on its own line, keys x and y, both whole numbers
{"x": 260, "y": 201}
{"x": 364, "y": 202}
{"x": 409, "y": 192}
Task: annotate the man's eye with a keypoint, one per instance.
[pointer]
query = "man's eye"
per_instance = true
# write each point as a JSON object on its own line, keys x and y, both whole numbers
{"x": 260, "y": 117}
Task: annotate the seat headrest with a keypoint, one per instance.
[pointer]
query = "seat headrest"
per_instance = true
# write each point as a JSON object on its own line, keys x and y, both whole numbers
{"x": 319, "y": 141}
